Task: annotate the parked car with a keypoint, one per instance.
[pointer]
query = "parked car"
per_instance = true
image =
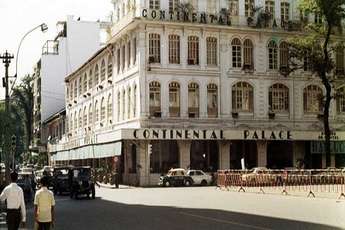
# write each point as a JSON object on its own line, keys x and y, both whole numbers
{"x": 176, "y": 177}
{"x": 61, "y": 180}
{"x": 81, "y": 182}
{"x": 200, "y": 177}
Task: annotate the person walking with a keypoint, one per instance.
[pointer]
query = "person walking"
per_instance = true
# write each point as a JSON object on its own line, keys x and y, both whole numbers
{"x": 44, "y": 206}
{"x": 14, "y": 197}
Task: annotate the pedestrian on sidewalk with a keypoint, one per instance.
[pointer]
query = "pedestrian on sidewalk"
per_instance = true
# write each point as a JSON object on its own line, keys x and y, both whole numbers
{"x": 44, "y": 206}
{"x": 14, "y": 197}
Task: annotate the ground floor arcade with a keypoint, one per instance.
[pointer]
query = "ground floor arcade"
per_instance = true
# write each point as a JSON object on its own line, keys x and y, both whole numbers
{"x": 141, "y": 162}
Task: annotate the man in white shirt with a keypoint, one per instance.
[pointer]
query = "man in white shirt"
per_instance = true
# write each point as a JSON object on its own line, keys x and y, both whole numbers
{"x": 14, "y": 196}
{"x": 44, "y": 206}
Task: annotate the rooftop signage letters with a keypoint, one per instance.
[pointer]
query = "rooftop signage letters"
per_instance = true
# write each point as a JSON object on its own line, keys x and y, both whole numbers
{"x": 165, "y": 134}
{"x": 222, "y": 18}
{"x": 267, "y": 135}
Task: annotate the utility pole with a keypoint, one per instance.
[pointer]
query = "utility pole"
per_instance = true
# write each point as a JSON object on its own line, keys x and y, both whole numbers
{"x": 6, "y": 60}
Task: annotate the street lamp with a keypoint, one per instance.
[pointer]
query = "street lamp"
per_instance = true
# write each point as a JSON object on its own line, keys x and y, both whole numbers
{"x": 43, "y": 28}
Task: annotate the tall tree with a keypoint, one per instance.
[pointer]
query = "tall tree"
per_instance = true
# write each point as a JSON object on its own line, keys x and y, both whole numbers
{"x": 315, "y": 51}
{"x": 23, "y": 97}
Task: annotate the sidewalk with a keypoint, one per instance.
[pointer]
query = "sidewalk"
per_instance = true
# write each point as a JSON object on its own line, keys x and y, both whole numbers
{"x": 109, "y": 186}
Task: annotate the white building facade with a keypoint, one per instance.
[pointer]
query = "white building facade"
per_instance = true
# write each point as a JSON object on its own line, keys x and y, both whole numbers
{"x": 198, "y": 87}
{"x": 74, "y": 43}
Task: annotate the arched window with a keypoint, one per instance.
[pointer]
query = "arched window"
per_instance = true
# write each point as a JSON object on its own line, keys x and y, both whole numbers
{"x": 312, "y": 98}
{"x": 96, "y": 112}
{"x": 129, "y": 102}
{"x": 284, "y": 55}
{"x": 173, "y": 5}
{"x": 75, "y": 89}
{"x": 242, "y": 97}
{"x": 174, "y": 99}
{"x": 193, "y": 50}
{"x": 248, "y": 55}
{"x": 102, "y": 110}
{"x": 236, "y": 53}
{"x": 278, "y": 98}
{"x": 85, "y": 117}
{"x": 174, "y": 49}
{"x": 110, "y": 109}
{"x": 75, "y": 121}
{"x": 211, "y": 46}
{"x": 154, "y": 4}
{"x": 193, "y": 100}
{"x": 90, "y": 79}
{"x": 154, "y": 48}
{"x": 341, "y": 100}
{"x": 212, "y": 100}
{"x": 96, "y": 81}
{"x": 129, "y": 53}
{"x": 339, "y": 62}
{"x": 110, "y": 67}
{"x": 80, "y": 119}
{"x": 272, "y": 55}
{"x": 90, "y": 115}
{"x": 135, "y": 101}
{"x": 249, "y": 7}
{"x": 284, "y": 12}
{"x": 103, "y": 71}
{"x": 71, "y": 92}
{"x": 118, "y": 106}
{"x": 85, "y": 83}
{"x": 155, "y": 99}
{"x": 80, "y": 85}
{"x": 123, "y": 105}
{"x": 233, "y": 7}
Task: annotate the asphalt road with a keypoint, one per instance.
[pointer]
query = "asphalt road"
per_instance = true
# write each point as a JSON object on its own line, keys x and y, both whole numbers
{"x": 194, "y": 208}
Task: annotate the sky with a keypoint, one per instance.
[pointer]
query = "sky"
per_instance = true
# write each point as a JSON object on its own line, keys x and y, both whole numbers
{"x": 19, "y": 16}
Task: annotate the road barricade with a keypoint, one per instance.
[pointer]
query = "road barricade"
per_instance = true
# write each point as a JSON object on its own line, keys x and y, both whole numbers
{"x": 323, "y": 183}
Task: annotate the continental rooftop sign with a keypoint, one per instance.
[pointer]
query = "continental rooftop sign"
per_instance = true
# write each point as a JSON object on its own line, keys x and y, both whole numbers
{"x": 220, "y": 134}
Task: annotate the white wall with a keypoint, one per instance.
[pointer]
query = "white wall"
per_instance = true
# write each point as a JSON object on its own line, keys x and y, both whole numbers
{"x": 82, "y": 41}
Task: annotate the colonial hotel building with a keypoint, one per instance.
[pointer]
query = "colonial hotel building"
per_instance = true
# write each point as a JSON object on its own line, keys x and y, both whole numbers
{"x": 199, "y": 88}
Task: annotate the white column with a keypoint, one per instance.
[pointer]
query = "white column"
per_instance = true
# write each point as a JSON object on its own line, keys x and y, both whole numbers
{"x": 165, "y": 99}
{"x": 144, "y": 163}
{"x": 184, "y": 148}
{"x": 203, "y": 100}
{"x": 332, "y": 160}
{"x": 224, "y": 155}
{"x": 202, "y": 51}
{"x": 262, "y": 153}
{"x": 184, "y": 99}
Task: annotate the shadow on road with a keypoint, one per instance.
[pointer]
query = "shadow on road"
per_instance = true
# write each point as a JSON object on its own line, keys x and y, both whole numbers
{"x": 101, "y": 214}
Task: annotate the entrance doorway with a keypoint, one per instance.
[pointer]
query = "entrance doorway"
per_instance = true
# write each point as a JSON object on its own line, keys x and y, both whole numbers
{"x": 204, "y": 155}
{"x": 279, "y": 154}
{"x": 243, "y": 149}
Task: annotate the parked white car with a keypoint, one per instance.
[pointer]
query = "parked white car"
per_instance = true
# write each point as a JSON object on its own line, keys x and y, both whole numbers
{"x": 199, "y": 177}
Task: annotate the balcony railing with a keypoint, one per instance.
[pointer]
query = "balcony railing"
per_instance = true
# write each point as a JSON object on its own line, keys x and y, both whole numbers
{"x": 50, "y": 47}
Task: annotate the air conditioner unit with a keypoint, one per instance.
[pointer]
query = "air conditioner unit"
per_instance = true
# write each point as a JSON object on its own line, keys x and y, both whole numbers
{"x": 151, "y": 59}
{"x": 191, "y": 114}
{"x": 157, "y": 114}
{"x": 271, "y": 115}
{"x": 234, "y": 114}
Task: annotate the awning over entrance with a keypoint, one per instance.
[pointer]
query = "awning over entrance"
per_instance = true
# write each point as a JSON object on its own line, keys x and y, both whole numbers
{"x": 318, "y": 147}
{"x": 90, "y": 152}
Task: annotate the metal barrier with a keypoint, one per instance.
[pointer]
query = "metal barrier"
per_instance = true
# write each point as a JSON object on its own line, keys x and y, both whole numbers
{"x": 310, "y": 182}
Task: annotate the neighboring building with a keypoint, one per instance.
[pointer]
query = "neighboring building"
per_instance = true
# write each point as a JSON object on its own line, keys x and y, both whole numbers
{"x": 54, "y": 129}
{"x": 75, "y": 42}
{"x": 199, "y": 90}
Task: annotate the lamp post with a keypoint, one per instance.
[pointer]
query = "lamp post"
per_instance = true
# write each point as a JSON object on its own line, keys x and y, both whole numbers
{"x": 43, "y": 27}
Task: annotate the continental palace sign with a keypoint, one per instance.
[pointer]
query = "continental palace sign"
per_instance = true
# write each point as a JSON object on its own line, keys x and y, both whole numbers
{"x": 222, "y": 18}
